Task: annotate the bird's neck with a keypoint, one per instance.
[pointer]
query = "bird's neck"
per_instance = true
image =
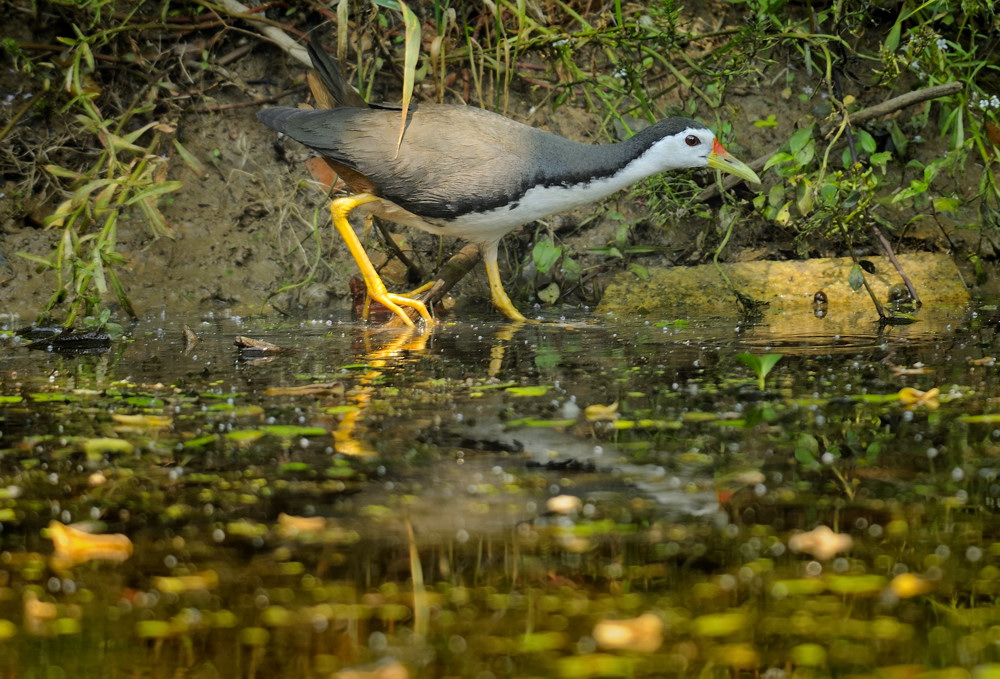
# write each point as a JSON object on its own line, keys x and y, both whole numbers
{"x": 610, "y": 167}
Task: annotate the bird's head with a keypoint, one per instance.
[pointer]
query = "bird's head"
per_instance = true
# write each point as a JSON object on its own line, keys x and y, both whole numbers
{"x": 683, "y": 142}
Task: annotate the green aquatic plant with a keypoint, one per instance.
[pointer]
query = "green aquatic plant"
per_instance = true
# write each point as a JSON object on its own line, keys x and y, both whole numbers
{"x": 760, "y": 365}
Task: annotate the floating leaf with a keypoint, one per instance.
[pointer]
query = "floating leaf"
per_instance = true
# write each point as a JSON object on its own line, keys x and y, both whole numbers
{"x": 143, "y": 421}
{"x": 100, "y": 446}
{"x": 538, "y": 390}
{"x": 254, "y": 636}
{"x": 289, "y": 430}
{"x": 534, "y": 422}
{"x": 324, "y": 389}
{"x": 856, "y": 584}
{"x": 152, "y": 629}
{"x": 197, "y": 582}
{"x": 245, "y": 435}
{"x": 720, "y": 624}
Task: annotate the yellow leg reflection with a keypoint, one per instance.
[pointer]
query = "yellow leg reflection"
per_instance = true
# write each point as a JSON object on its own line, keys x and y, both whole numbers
{"x": 408, "y": 342}
{"x": 499, "y": 348}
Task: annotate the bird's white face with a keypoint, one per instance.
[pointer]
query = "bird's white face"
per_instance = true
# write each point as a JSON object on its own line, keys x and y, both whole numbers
{"x": 690, "y": 147}
{"x": 698, "y": 147}
{"x": 694, "y": 145}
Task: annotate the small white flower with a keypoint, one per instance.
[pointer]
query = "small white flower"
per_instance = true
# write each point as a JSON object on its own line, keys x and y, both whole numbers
{"x": 942, "y": 44}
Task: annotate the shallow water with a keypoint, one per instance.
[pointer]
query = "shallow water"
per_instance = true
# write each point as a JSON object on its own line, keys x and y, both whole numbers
{"x": 401, "y": 518}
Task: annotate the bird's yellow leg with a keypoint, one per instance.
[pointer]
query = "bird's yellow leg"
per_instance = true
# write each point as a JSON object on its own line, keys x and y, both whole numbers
{"x": 339, "y": 209}
{"x": 499, "y": 295}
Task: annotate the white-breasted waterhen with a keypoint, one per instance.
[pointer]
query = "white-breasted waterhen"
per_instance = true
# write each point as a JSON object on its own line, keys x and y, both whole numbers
{"x": 465, "y": 172}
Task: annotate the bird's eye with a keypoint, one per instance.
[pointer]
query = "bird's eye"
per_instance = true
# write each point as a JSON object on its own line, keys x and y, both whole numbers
{"x": 692, "y": 140}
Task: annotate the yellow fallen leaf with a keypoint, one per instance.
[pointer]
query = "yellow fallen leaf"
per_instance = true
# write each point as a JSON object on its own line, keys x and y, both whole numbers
{"x": 145, "y": 421}
{"x": 908, "y": 585}
{"x": 564, "y": 504}
{"x": 643, "y": 634}
{"x": 74, "y": 546}
{"x": 102, "y": 445}
{"x": 39, "y": 616}
{"x": 601, "y": 413}
{"x": 324, "y": 389}
{"x": 201, "y": 581}
{"x": 387, "y": 669}
{"x": 912, "y": 398}
{"x": 291, "y": 526}
{"x": 821, "y": 542}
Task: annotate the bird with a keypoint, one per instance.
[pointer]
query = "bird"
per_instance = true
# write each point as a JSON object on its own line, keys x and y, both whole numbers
{"x": 473, "y": 174}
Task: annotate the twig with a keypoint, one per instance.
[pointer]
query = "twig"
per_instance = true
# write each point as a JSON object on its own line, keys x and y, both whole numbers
{"x": 461, "y": 263}
{"x": 19, "y": 114}
{"x": 213, "y": 108}
{"x": 891, "y": 254}
{"x": 269, "y": 28}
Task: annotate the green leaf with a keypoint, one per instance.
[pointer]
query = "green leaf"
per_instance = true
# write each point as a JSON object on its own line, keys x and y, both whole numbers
{"x": 411, "y": 27}
{"x": 571, "y": 270}
{"x": 800, "y": 139}
{"x": 946, "y": 204}
{"x": 549, "y": 294}
{"x": 867, "y": 142}
{"x": 761, "y": 365}
{"x": 190, "y": 159}
{"x": 81, "y": 193}
{"x": 881, "y": 159}
{"x": 770, "y": 121}
{"x": 805, "y": 197}
{"x": 807, "y": 451}
{"x": 57, "y": 171}
{"x": 155, "y": 190}
{"x": 899, "y": 138}
{"x": 548, "y": 357}
{"x": 132, "y": 136}
{"x": 200, "y": 442}
{"x": 545, "y": 254}
{"x": 640, "y": 272}
{"x": 100, "y": 446}
{"x": 778, "y": 159}
{"x": 891, "y": 43}
{"x": 768, "y": 361}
